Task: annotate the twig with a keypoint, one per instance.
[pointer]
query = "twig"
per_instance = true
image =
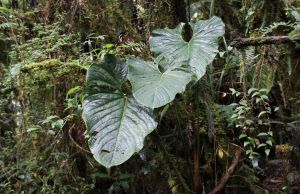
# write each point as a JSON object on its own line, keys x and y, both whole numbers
{"x": 74, "y": 142}
{"x": 220, "y": 185}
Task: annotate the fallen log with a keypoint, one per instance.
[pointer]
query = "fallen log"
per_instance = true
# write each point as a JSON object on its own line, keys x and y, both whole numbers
{"x": 244, "y": 42}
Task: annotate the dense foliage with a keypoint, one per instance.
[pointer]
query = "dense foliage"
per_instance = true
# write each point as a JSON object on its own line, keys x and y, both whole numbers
{"x": 140, "y": 96}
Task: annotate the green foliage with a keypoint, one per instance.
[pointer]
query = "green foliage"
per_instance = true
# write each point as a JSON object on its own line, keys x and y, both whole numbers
{"x": 48, "y": 44}
{"x": 114, "y": 140}
{"x": 250, "y": 115}
{"x": 47, "y": 49}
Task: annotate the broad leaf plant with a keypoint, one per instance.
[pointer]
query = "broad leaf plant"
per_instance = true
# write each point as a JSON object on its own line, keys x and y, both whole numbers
{"x": 118, "y": 121}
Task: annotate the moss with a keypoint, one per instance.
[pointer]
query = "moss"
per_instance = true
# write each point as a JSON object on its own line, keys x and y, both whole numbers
{"x": 42, "y": 65}
{"x": 284, "y": 151}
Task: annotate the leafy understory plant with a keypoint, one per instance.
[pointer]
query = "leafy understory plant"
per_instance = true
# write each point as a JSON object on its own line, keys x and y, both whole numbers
{"x": 118, "y": 119}
{"x": 250, "y": 114}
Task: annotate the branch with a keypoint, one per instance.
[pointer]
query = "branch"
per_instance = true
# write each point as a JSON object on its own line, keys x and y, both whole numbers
{"x": 244, "y": 42}
{"x": 229, "y": 172}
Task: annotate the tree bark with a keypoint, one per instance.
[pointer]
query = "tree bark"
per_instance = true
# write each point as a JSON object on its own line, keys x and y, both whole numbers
{"x": 14, "y": 4}
{"x": 180, "y": 11}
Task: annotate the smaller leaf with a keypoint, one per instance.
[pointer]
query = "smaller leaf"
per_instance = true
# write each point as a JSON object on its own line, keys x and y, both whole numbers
{"x": 291, "y": 125}
{"x": 277, "y": 122}
{"x": 246, "y": 143}
{"x": 233, "y": 104}
{"x": 242, "y": 136}
{"x": 267, "y": 151}
{"x": 50, "y": 119}
{"x": 262, "y": 134}
{"x": 269, "y": 142}
{"x": 258, "y": 100}
{"x": 222, "y": 54}
{"x": 220, "y": 153}
{"x": 249, "y": 122}
{"x": 262, "y": 113}
{"x": 33, "y": 129}
{"x": 270, "y": 133}
{"x": 241, "y": 117}
{"x": 51, "y": 132}
{"x": 248, "y": 152}
{"x": 251, "y": 157}
{"x": 255, "y": 153}
{"x": 265, "y": 97}
{"x": 58, "y": 124}
{"x": 261, "y": 145}
{"x": 73, "y": 90}
{"x": 107, "y": 46}
{"x": 164, "y": 111}
{"x": 243, "y": 102}
{"x": 255, "y": 94}
{"x": 241, "y": 112}
{"x": 233, "y": 91}
{"x": 264, "y": 90}
{"x": 251, "y": 90}
{"x": 240, "y": 108}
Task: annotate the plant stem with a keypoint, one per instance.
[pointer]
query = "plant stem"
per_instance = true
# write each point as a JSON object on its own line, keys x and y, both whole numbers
{"x": 212, "y": 8}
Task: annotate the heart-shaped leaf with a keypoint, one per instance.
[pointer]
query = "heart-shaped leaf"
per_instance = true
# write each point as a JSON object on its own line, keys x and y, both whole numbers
{"x": 117, "y": 125}
{"x": 153, "y": 88}
{"x": 198, "y": 52}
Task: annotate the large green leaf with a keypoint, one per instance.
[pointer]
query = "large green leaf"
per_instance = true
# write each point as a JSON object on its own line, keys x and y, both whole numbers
{"x": 111, "y": 73}
{"x": 198, "y": 52}
{"x": 153, "y": 88}
{"x": 116, "y": 124}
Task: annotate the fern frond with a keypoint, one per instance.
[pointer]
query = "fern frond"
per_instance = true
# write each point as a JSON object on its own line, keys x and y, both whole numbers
{"x": 250, "y": 55}
{"x": 269, "y": 29}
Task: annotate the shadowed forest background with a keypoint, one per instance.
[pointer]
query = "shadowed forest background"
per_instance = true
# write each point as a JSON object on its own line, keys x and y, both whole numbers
{"x": 236, "y": 130}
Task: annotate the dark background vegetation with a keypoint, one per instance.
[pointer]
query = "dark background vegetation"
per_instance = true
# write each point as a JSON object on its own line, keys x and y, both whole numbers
{"x": 46, "y": 47}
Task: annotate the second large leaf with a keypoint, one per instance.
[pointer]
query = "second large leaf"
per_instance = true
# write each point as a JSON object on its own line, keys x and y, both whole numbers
{"x": 154, "y": 88}
{"x": 198, "y": 52}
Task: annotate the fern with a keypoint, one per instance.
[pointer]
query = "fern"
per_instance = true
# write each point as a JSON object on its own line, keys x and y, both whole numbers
{"x": 8, "y": 25}
{"x": 250, "y": 56}
{"x": 268, "y": 30}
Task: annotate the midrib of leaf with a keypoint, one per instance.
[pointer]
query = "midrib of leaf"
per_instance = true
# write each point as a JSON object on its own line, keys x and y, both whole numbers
{"x": 189, "y": 53}
{"x": 123, "y": 115}
{"x": 161, "y": 75}
{"x": 188, "y": 44}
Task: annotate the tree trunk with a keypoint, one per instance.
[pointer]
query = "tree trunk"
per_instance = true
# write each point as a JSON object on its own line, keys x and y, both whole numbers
{"x": 180, "y": 11}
